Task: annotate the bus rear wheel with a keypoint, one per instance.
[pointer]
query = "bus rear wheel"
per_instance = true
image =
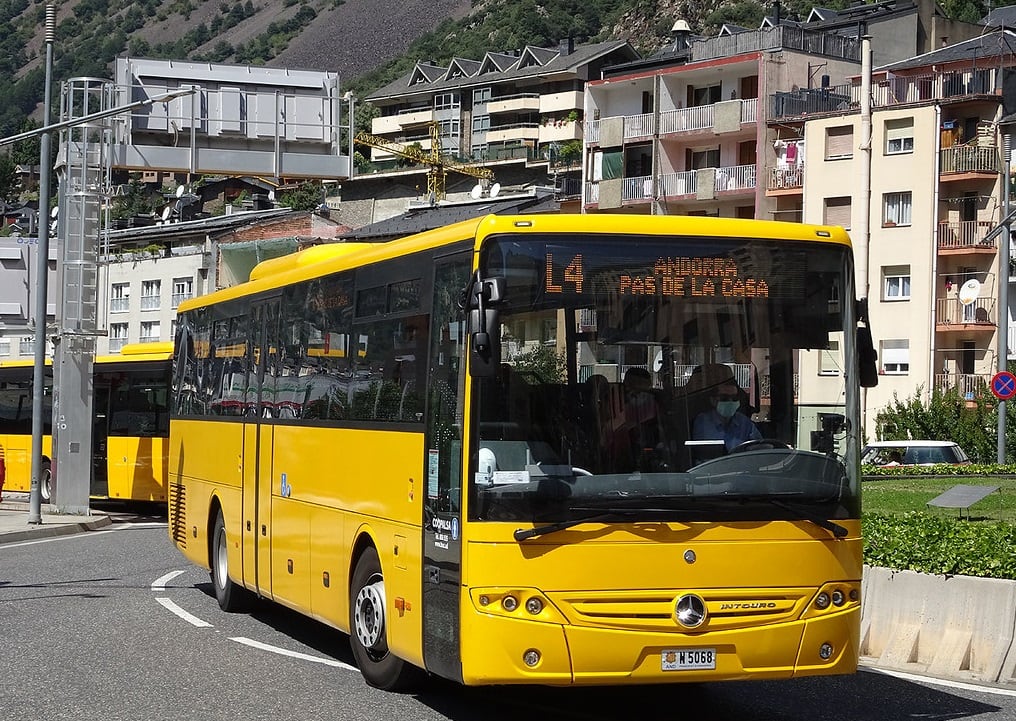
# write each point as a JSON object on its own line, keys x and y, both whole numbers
{"x": 231, "y": 596}
{"x": 45, "y": 482}
{"x": 368, "y": 629}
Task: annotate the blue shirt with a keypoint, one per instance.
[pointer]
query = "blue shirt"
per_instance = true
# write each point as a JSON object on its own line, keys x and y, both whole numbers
{"x": 711, "y": 426}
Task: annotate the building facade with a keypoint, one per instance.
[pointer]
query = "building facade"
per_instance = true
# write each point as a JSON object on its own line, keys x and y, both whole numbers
{"x": 938, "y": 173}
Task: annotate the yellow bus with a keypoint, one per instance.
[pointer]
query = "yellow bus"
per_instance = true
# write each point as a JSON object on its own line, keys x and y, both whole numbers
{"x": 129, "y": 433}
{"x": 504, "y": 451}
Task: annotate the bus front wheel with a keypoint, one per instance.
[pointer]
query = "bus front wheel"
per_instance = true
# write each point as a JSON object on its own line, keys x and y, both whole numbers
{"x": 231, "y": 596}
{"x": 369, "y": 628}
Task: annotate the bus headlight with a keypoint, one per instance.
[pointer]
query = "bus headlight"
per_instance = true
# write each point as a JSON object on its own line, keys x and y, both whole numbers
{"x": 534, "y": 605}
{"x": 822, "y": 600}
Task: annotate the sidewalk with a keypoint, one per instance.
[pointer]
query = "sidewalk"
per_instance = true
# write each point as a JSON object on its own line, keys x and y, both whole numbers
{"x": 14, "y": 525}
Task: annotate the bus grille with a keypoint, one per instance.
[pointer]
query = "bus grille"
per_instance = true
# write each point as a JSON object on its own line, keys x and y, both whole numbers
{"x": 178, "y": 514}
{"x": 654, "y": 611}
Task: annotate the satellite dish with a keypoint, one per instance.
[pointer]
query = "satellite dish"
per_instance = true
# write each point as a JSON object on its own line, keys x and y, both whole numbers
{"x": 53, "y": 213}
{"x": 970, "y": 291}
{"x": 271, "y": 195}
{"x": 495, "y": 189}
{"x": 179, "y": 190}
{"x": 476, "y": 192}
{"x": 166, "y": 212}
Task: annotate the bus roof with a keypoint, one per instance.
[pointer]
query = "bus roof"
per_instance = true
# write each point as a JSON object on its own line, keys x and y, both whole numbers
{"x": 139, "y": 352}
{"x": 324, "y": 259}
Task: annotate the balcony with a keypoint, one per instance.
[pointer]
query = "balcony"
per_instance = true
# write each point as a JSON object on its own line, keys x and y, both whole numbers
{"x": 785, "y": 179}
{"x": 965, "y": 236}
{"x": 560, "y": 131}
{"x": 951, "y": 315}
{"x": 686, "y": 119}
{"x": 115, "y": 344}
{"x": 150, "y": 302}
{"x": 637, "y": 189}
{"x": 561, "y": 102}
{"x": 119, "y": 305}
{"x": 969, "y": 385}
{"x": 520, "y": 102}
{"x": 735, "y": 178}
{"x": 674, "y": 185}
{"x": 967, "y": 159}
{"x": 513, "y": 131}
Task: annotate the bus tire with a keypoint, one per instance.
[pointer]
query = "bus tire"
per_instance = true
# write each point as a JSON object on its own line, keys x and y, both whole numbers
{"x": 368, "y": 629}
{"x": 45, "y": 482}
{"x": 231, "y": 596}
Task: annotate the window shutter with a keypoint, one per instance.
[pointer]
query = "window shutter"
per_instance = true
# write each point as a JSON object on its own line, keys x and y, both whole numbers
{"x": 840, "y": 142}
{"x": 837, "y": 212}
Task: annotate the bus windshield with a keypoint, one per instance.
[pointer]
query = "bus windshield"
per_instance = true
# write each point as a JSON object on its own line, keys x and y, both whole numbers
{"x": 667, "y": 378}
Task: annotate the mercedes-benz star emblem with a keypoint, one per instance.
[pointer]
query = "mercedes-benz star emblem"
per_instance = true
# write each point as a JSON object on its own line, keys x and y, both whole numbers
{"x": 690, "y": 610}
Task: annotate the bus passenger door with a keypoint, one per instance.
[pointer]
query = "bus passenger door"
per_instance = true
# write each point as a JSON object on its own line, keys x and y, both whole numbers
{"x": 257, "y": 448}
{"x": 101, "y": 391}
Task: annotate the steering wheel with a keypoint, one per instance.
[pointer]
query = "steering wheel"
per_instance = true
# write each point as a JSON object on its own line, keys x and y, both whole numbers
{"x": 760, "y": 444}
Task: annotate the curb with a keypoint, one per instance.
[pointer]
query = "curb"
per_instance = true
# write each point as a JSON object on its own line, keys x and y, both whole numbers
{"x": 50, "y": 530}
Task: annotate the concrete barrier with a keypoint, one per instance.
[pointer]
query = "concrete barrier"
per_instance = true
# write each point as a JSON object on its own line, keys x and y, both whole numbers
{"x": 956, "y": 627}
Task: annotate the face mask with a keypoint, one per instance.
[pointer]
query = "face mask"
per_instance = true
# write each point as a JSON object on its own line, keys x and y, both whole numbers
{"x": 727, "y": 409}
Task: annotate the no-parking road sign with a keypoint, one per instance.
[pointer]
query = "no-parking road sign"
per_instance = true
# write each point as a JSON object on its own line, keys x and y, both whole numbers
{"x": 1003, "y": 385}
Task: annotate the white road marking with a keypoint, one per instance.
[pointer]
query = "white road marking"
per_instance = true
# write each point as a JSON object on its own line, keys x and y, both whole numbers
{"x": 942, "y": 682}
{"x": 53, "y": 539}
{"x": 293, "y": 654}
{"x": 159, "y": 584}
{"x": 186, "y": 616}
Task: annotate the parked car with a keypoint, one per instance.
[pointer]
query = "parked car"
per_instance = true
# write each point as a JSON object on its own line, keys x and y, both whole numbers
{"x": 913, "y": 453}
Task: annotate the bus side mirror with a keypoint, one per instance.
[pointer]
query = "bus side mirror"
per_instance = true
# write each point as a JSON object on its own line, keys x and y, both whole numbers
{"x": 867, "y": 358}
{"x": 484, "y": 326}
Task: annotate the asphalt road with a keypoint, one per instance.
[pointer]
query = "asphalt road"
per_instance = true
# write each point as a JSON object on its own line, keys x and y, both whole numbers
{"x": 115, "y": 624}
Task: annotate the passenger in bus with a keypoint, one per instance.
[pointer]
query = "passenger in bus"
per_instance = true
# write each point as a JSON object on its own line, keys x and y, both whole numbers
{"x": 723, "y": 420}
{"x": 639, "y": 425}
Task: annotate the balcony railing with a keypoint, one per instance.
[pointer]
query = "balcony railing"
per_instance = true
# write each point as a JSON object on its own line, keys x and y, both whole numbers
{"x": 786, "y": 178}
{"x": 888, "y": 91}
{"x": 949, "y": 311}
{"x": 638, "y": 126}
{"x": 179, "y": 298}
{"x": 969, "y": 385}
{"x": 637, "y": 188}
{"x": 119, "y": 305}
{"x": 592, "y": 192}
{"x": 964, "y": 234}
{"x": 735, "y": 177}
{"x": 969, "y": 159}
{"x": 679, "y": 121}
{"x": 674, "y": 184}
{"x": 150, "y": 302}
{"x": 115, "y": 344}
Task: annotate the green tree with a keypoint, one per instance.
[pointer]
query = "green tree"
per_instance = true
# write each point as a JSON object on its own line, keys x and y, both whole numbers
{"x": 947, "y": 416}
{"x": 306, "y": 196}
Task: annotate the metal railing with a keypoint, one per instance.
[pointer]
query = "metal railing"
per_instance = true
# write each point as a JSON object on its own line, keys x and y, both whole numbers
{"x": 639, "y": 126}
{"x": 735, "y": 177}
{"x": 674, "y": 184}
{"x": 784, "y": 178}
{"x": 969, "y": 159}
{"x": 949, "y": 311}
{"x": 115, "y": 344}
{"x": 119, "y": 305}
{"x": 637, "y": 188}
{"x": 964, "y": 234}
{"x": 969, "y": 385}
{"x": 679, "y": 121}
{"x": 150, "y": 302}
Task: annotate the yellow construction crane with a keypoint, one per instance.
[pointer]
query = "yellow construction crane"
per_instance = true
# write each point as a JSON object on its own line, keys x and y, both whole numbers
{"x": 438, "y": 166}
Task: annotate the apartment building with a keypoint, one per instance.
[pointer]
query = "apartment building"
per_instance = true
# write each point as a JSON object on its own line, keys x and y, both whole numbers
{"x": 517, "y": 112}
{"x": 687, "y": 130}
{"x": 937, "y": 198}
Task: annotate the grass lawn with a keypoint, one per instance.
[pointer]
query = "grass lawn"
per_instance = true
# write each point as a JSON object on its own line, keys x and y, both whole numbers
{"x": 899, "y": 495}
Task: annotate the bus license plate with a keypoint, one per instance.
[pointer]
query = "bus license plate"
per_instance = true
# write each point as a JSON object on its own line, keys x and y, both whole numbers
{"x": 688, "y": 659}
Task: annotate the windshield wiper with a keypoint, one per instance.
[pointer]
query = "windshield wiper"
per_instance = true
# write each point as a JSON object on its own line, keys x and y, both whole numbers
{"x": 602, "y": 514}
{"x": 820, "y": 521}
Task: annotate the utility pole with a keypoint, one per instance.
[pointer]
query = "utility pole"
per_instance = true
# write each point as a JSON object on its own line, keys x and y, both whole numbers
{"x": 41, "y": 284}
{"x": 1003, "y": 284}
